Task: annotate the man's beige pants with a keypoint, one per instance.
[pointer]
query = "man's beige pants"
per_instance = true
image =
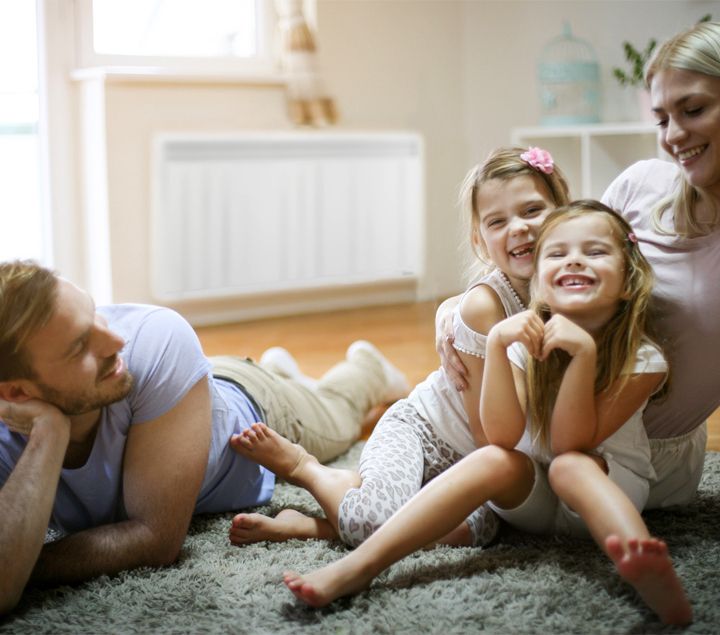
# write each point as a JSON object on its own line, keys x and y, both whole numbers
{"x": 326, "y": 421}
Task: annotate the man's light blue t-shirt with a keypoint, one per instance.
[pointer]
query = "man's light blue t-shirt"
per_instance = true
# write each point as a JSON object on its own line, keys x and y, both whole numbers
{"x": 166, "y": 360}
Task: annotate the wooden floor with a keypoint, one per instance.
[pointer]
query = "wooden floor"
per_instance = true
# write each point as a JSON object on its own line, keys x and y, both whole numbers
{"x": 405, "y": 333}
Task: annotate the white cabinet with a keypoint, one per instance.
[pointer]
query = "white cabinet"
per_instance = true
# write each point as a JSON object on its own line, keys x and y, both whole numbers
{"x": 592, "y": 155}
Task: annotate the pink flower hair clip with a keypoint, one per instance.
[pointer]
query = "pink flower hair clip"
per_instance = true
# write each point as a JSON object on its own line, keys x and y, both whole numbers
{"x": 539, "y": 159}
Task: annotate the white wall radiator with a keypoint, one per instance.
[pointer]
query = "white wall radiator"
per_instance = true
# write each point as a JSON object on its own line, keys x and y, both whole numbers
{"x": 271, "y": 212}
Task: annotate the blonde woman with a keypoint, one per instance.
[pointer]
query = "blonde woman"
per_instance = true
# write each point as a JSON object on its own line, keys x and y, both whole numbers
{"x": 674, "y": 210}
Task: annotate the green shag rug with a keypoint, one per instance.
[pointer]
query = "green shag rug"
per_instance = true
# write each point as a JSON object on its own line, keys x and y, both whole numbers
{"x": 523, "y": 584}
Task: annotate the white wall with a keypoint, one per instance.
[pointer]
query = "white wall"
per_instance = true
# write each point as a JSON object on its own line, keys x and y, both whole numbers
{"x": 398, "y": 64}
{"x": 461, "y": 72}
{"x": 503, "y": 41}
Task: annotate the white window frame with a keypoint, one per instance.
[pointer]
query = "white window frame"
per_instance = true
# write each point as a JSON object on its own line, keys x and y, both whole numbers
{"x": 265, "y": 63}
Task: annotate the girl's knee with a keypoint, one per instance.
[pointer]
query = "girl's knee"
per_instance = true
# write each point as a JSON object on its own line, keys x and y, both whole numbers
{"x": 360, "y": 516}
{"x": 568, "y": 467}
{"x": 506, "y": 464}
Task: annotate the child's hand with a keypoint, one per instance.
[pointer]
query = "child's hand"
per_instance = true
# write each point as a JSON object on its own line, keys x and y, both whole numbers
{"x": 449, "y": 358}
{"x": 566, "y": 335}
{"x": 526, "y": 328}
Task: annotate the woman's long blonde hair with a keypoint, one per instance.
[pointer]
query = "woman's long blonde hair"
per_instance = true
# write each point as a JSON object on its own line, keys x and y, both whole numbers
{"x": 618, "y": 341}
{"x": 696, "y": 49}
{"x": 504, "y": 164}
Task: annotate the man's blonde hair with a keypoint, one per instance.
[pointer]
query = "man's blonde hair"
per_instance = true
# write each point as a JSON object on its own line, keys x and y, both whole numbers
{"x": 27, "y": 301}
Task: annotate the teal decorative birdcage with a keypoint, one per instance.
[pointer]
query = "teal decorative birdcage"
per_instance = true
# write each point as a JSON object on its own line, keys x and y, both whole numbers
{"x": 569, "y": 81}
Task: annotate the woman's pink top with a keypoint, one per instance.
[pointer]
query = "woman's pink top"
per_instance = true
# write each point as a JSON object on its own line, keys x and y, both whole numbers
{"x": 687, "y": 294}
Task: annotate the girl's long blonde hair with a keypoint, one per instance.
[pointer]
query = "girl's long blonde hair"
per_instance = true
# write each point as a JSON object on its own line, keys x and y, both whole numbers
{"x": 504, "y": 164}
{"x": 696, "y": 49}
{"x": 619, "y": 340}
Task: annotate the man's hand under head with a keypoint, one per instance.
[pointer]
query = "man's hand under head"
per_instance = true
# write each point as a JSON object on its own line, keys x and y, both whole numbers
{"x": 22, "y": 417}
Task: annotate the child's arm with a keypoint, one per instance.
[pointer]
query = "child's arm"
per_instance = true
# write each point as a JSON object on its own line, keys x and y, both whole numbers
{"x": 617, "y": 404}
{"x": 569, "y": 429}
{"x": 480, "y": 310}
{"x": 602, "y": 414}
{"x": 502, "y": 399}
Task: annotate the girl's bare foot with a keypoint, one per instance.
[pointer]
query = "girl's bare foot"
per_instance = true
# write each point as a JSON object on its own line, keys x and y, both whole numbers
{"x": 265, "y": 446}
{"x": 647, "y": 566}
{"x": 289, "y": 523}
{"x": 292, "y": 463}
{"x": 319, "y": 588}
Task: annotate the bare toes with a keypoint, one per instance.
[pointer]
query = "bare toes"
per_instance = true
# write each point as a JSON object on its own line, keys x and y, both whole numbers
{"x": 614, "y": 548}
{"x": 258, "y": 428}
{"x": 243, "y": 521}
{"x": 239, "y": 442}
{"x": 292, "y": 579}
{"x": 245, "y": 441}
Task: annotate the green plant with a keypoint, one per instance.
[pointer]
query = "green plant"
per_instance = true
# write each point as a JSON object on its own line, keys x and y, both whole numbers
{"x": 633, "y": 76}
{"x": 636, "y": 59}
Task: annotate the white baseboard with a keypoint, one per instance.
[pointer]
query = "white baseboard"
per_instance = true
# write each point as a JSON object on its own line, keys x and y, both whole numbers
{"x": 246, "y": 308}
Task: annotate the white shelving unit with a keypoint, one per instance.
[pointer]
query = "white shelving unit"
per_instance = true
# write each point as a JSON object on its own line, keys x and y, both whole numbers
{"x": 592, "y": 155}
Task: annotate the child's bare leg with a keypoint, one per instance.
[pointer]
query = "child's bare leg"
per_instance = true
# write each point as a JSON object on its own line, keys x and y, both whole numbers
{"x": 461, "y": 536}
{"x": 292, "y": 463}
{"x": 289, "y": 461}
{"x": 488, "y": 473}
{"x": 620, "y": 531}
{"x": 289, "y": 523}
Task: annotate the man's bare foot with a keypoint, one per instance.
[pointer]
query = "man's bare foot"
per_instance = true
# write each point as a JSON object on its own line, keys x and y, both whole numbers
{"x": 647, "y": 566}
{"x": 265, "y": 446}
{"x": 396, "y": 384}
{"x": 289, "y": 523}
{"x": 319, "y": 588}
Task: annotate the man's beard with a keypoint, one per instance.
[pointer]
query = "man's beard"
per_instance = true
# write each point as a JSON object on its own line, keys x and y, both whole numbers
{"x": 86, "y": 401}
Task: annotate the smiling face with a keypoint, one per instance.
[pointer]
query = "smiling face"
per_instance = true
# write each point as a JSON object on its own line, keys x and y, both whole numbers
{"x": 75, "y": 357}
{"x": 581, "y": 270}
{"x": 510, "y": 212}
{"x": 687, "y": 107}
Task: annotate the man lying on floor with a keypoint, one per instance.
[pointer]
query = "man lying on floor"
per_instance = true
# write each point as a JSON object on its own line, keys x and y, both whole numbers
{"x": 115, "y": 428}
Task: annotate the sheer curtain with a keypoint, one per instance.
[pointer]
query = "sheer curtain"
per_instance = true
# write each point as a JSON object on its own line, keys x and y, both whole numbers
{"x": 308, "y": 104}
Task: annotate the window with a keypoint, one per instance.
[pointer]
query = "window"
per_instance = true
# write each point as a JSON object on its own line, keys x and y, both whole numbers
{"x": 177, "y": 35}
{"x": 22, "y": 218}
